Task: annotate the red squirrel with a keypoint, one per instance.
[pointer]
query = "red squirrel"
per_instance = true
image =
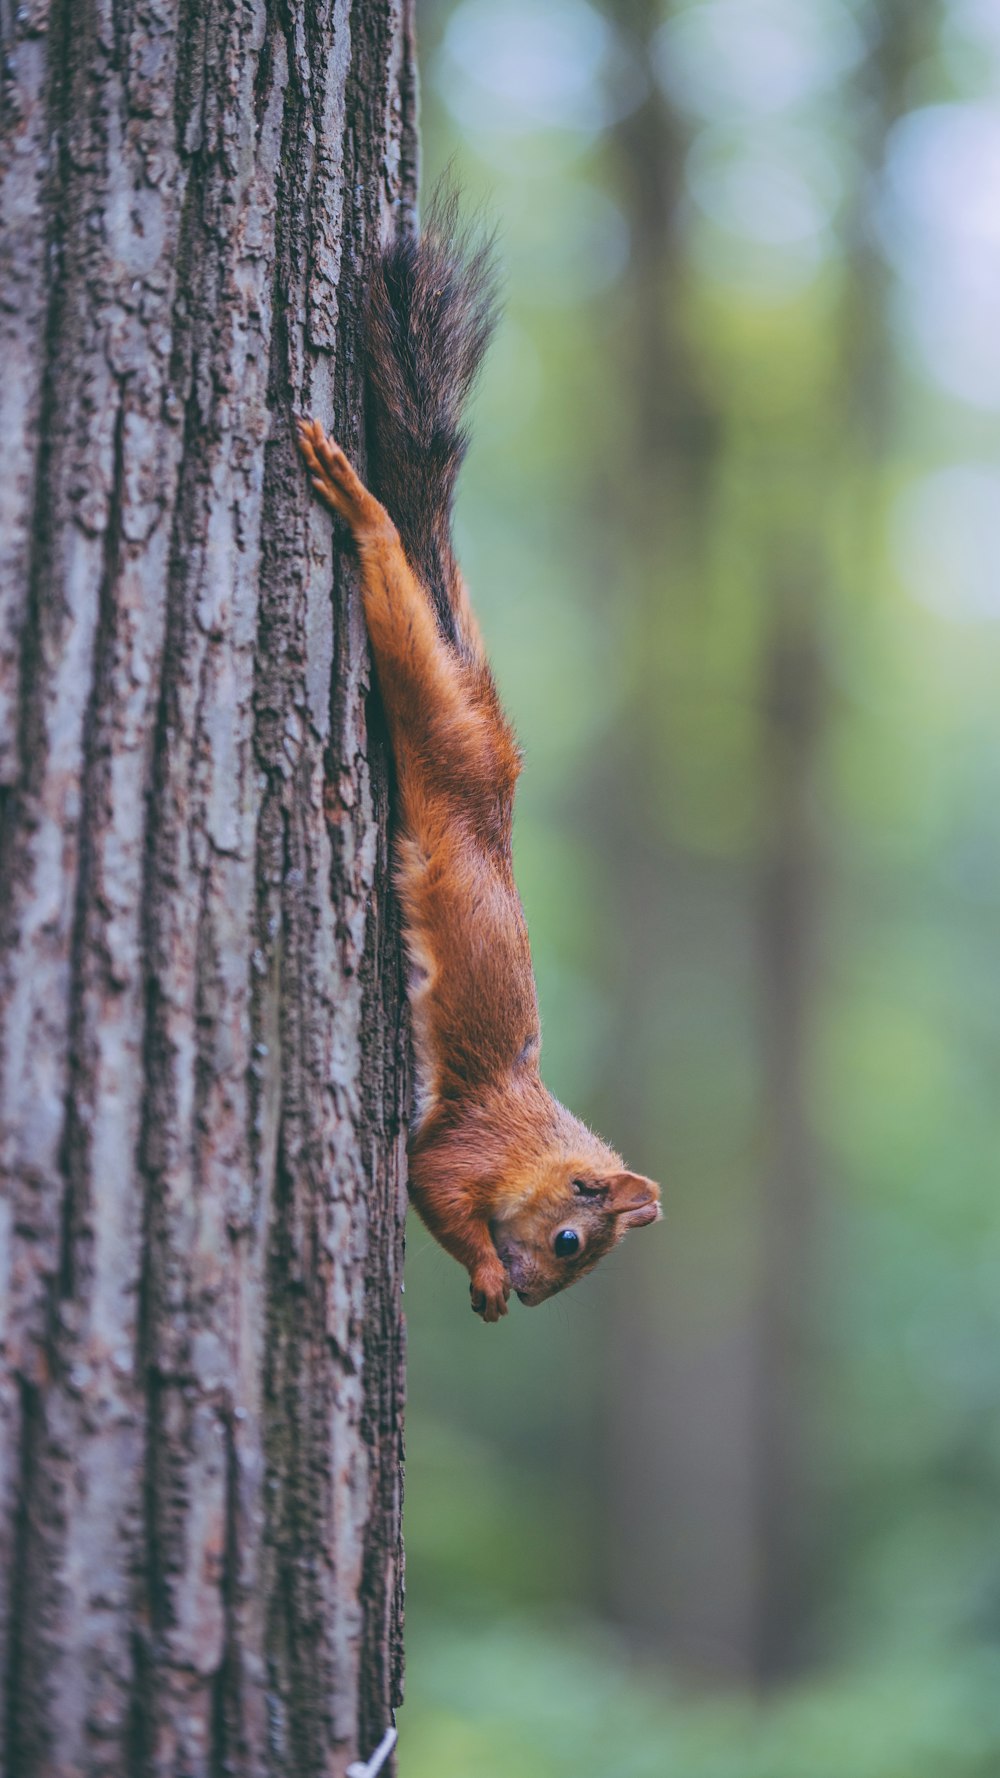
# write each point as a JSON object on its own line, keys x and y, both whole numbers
{"x": 509, "y": 1182}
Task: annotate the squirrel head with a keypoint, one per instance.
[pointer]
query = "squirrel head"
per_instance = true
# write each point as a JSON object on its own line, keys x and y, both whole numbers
{"x": 555, "y": 1198}
{"x": 575, "y": 1210}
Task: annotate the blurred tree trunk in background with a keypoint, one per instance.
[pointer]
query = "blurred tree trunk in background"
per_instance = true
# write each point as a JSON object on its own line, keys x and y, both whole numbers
{"x": 673, "y": 1448}
{"x": 782, "y": 1475}
{"x": 708, "y": 1483}
{"x": 203, "y": 1060}
{"x": 709, "y": 1366}
{"x": 798, "y": 588}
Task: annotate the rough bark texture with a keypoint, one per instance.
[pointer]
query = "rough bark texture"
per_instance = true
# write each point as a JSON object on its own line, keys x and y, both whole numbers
{"x": 202, "y": 1053}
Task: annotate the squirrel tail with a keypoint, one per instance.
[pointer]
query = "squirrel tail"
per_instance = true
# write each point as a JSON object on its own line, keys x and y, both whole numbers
{"x": 433, "y": 308}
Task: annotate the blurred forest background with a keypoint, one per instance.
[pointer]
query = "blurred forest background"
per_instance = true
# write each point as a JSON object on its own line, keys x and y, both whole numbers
{"x": 731, "y": 518}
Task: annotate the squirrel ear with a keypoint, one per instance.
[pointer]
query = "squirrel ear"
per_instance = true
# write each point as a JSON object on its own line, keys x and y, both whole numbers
{"x": 635, "y": 1199}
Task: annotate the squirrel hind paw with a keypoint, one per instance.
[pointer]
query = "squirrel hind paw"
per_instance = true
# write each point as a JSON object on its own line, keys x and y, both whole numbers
{"x": 333, "y": 477}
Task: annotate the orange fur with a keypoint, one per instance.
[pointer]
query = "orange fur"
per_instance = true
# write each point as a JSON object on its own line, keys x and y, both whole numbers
{"x": 498, "y": 1168}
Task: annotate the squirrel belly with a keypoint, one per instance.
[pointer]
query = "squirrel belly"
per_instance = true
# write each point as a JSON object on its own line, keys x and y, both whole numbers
{"x": 516, "y": 1188}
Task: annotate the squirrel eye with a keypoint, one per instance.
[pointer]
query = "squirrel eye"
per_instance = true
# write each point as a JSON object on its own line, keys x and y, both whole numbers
{"x": 566, "y": 1242}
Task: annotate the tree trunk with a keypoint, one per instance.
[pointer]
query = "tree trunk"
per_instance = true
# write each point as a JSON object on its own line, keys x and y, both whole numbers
{"x": 202, "y": 1055}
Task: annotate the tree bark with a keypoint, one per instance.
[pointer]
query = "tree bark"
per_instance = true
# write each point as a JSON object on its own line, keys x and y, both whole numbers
{"x": 202, "y": 1037}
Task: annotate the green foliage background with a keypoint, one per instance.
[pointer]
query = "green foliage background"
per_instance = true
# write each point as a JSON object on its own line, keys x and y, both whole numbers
{"x": 815, "y": 487}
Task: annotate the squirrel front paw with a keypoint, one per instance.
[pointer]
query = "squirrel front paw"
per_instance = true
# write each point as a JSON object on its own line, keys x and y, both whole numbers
{"x": 489, "y": 1288}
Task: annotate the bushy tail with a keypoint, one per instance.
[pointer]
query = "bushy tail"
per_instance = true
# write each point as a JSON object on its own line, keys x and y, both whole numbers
{"x": 432, "y": 311}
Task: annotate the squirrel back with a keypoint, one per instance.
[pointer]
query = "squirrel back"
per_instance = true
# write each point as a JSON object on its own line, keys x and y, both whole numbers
{"x": 432, "y": 313}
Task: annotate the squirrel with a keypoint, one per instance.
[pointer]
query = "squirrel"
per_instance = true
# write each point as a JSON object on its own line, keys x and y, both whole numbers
{"x": 517, "y": 1189}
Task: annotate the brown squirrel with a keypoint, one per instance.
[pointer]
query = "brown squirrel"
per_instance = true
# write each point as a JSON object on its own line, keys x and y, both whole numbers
{"x": 513, "y": 1185}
